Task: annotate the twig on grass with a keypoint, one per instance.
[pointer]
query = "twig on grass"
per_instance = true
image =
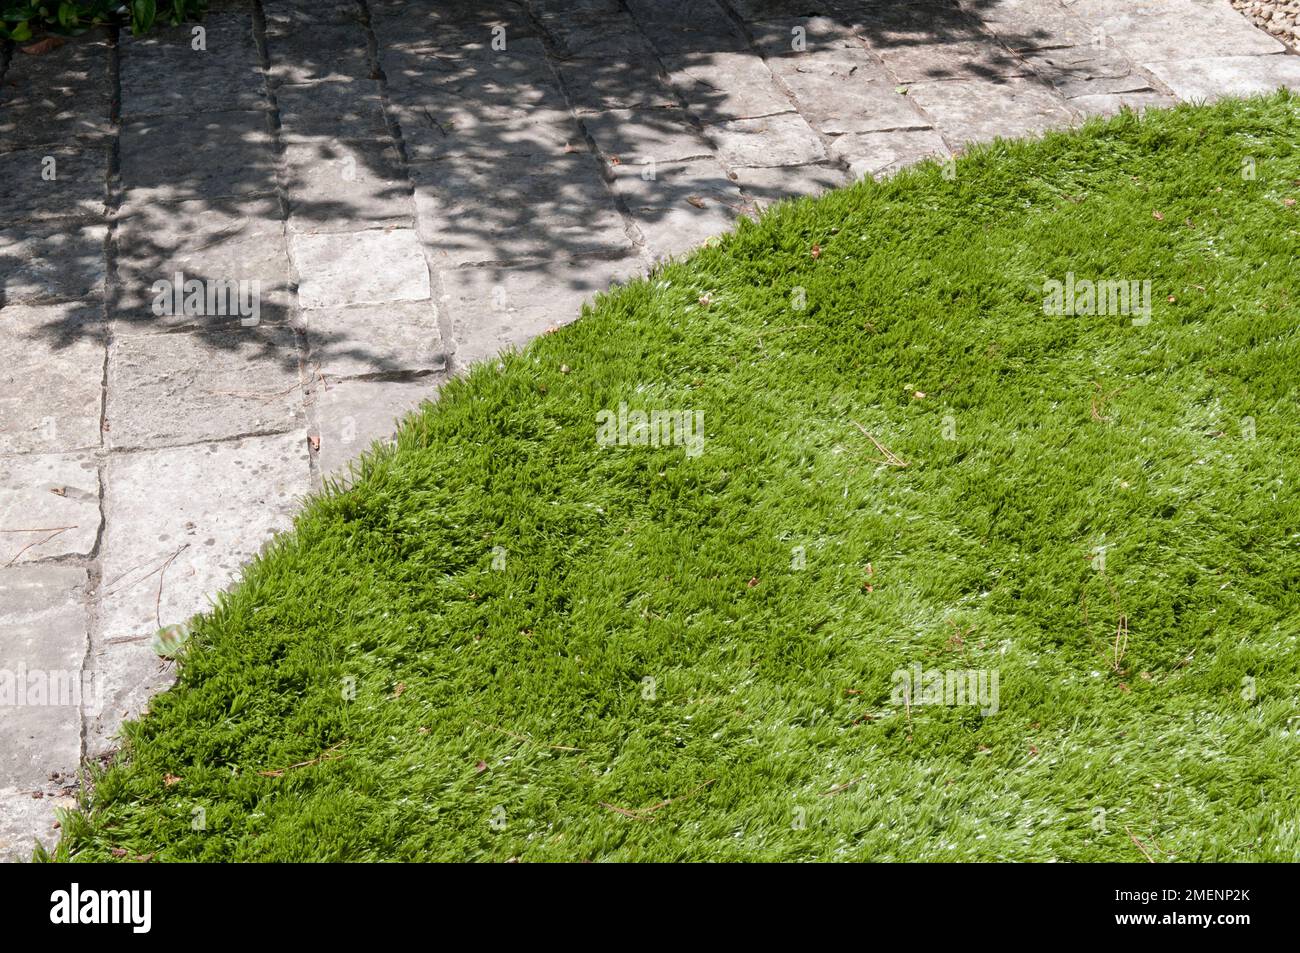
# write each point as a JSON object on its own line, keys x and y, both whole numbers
{"x": 843, "y": 787}
{"x": 329, "y": 754}
{"x": 642, "y": 813}
{"x": 1139, "y": 845}
{"x": 891, "y": 458}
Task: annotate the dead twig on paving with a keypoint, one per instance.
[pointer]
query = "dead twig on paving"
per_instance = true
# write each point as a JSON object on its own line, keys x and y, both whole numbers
{"x": 35, "y": 542}
{"x": 162, "y": 575}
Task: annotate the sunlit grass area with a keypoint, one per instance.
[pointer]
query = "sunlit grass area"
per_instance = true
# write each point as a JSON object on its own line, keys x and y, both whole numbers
{"x": 511, "y": 639}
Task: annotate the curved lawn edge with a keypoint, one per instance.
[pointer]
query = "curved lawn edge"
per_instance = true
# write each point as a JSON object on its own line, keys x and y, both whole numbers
{"x": 505, "y": 640}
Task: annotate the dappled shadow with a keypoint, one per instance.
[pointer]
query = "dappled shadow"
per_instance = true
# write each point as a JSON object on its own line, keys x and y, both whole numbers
{"x": 529, "y": 132}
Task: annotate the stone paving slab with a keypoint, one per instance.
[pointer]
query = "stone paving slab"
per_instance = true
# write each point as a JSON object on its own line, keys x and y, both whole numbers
{"x": 497, "y": 308}
{"x": 1170, "y": 29}
{"x": 331, "y": 110}
{"x": 413, "y": 187}
{"x": 878, "y": 154}
{"x": 340, "y": 270}
{"x": 979, "y": 110}
{"x": 682, "y": 206}
{"x": 44, "y": 631}
{"x": 223, "y": 74}
{"x": 597, "y": 85}
{"x": 781, "y": 140}
{"x": 51, "y": 379}
{"x": 225, "y": 154}
{"x": 634, "y": 135}
{"x": 354, "y": 414}
{"x": 727, "y": 86}
{"x": 53, "y": 183}
{"x": 56, "y": 100}
{"x": 51, "y": 261}
{"x": 769, "y": 185}
{"x": 338, "y": 185}
{"x": 510, "y": 208}
{"x": 1206, "y": 78}
{"x": 238, "y": 239}
{"x": 371, "y": 340}
{"x": 49, "y": 507}
{"x": 199, "y": 511}
{"x": 171, "y": 389}
{"x": 319, "y": 53}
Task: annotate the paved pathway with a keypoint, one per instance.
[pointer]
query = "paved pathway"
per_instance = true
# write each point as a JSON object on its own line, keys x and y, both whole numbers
{"x": 414, "y": 186}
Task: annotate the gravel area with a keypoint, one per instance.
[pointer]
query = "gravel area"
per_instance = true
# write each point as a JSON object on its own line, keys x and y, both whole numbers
{"x": 1278, "y": 17}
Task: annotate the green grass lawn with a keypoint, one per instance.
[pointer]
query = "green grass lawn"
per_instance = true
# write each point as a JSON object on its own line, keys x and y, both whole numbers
{"x": 569, "y": 651}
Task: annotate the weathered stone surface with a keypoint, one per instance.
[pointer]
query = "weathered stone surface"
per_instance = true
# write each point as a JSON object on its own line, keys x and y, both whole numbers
{"x": 727, "y": 86}
{"x": 635, "y": 135}
{"x": 683, "y": 206}
{"x": 1024, "y": 25}
{"x": 239, "y": 240}
{"x": 291, "y": 16}
{"x": 317, "y": 53}
{"x": 51, "y": 261}
{"x": 225, "y": 74}
{"x": 877, "y": 154}
{"x": 201, "y": 512}
{"x": 512, "y": 209}
{"x": 496, "y": 308}
{"x": 1171, "y": 29}
{"x": 48, "y": 100}
{"x": 475, "y": 74}
{"x": 678, "y": 27}
{"x": 369, "y": 267}
{"x": 976, "y": 57}
{"x": 53, "y": 183}
{"x": 611, "y": 36}
{"x": 355, "y": 414}
{"x": 772, "y": 141}
{"x": 1211, "y": 77}
{"x": 51, "y": 378}
{"x": 595, "y": 85}
{"x": 49, "y": 507}
{"x": 337, "y": 185}
{"x": 449, "y": 130}
{"x": 170, "y": 389}
{"x": 1108, "y": 104}
{"x": 838, "y": 86}
{"x": 362, "y": 340}
{"x": 43, "y": 635}
{"x": 1085, "y": 71}
{"x": 339, "y": 110}
{"x": 451, "y": 25}
{"x": 769, "y": 185}
{"x": 225, "y": 154}
{"x": 969, "y": 111}
{"x": 25, "y": 820}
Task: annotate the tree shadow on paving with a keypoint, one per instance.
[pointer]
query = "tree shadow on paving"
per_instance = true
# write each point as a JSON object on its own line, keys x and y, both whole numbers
{"x": 501, "y": 173}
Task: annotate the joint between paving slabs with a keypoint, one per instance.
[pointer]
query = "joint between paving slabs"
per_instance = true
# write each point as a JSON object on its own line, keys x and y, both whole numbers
{"x": 306, "y": 378}
{"x": 437, "y": 298}
{"x": 630, "y": 227}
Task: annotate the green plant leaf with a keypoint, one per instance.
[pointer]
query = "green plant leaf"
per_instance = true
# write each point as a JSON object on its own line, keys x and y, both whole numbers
{"x": 143, "y": 14}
